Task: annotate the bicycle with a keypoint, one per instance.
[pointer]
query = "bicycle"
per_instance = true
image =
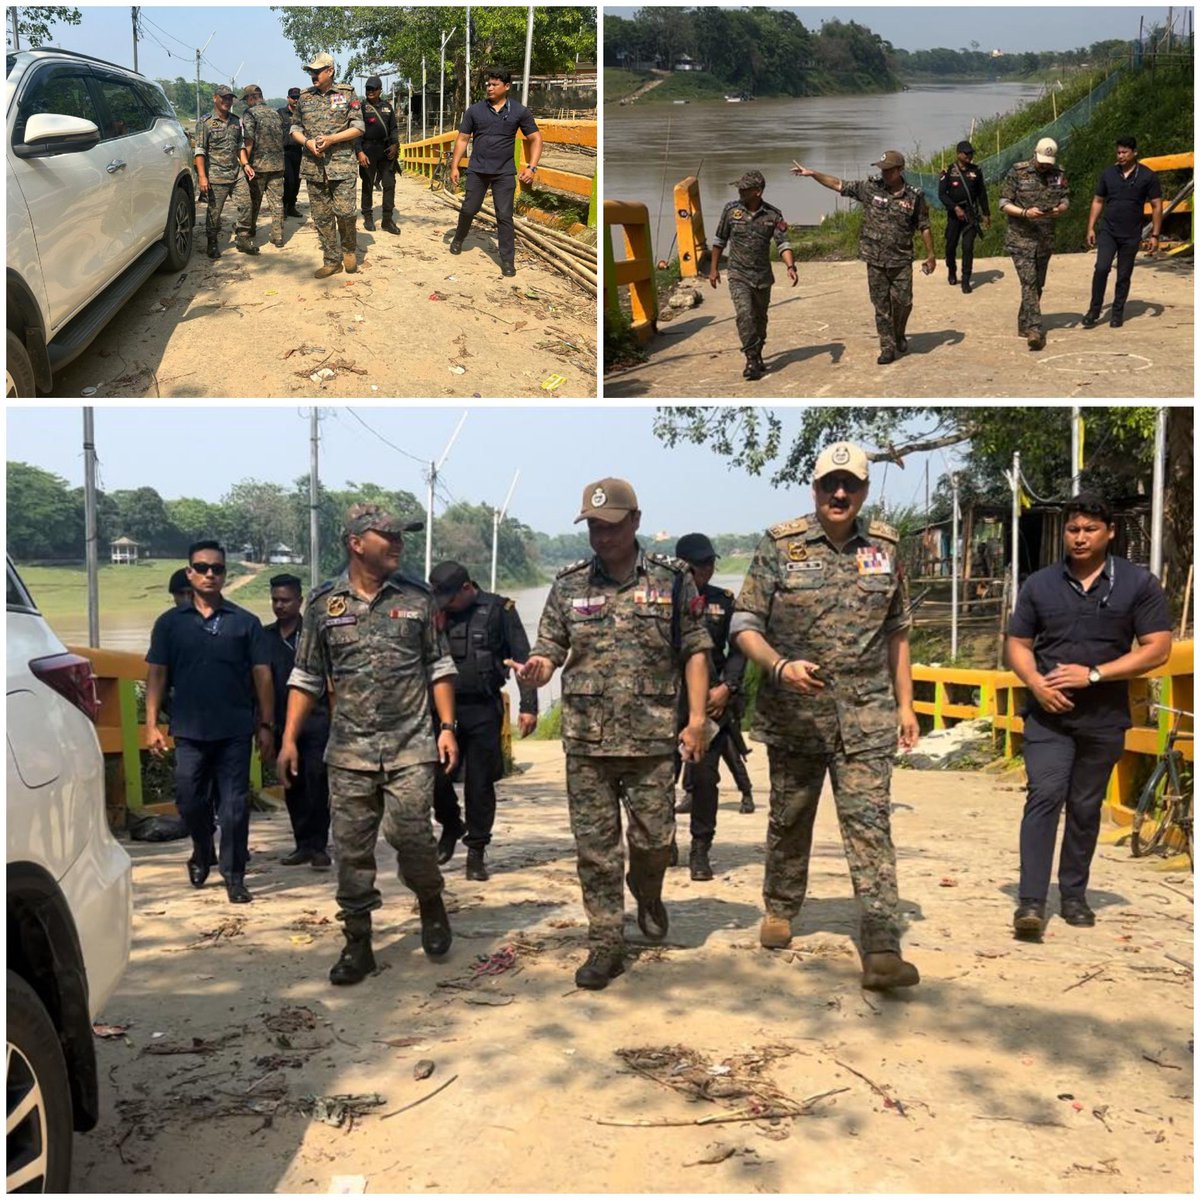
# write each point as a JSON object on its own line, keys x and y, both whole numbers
{"x": 439, "y": 180}
{"x": 1164, "y": 803}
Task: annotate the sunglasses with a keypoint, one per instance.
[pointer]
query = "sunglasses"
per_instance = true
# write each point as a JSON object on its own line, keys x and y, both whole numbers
{"x": 206, "y": 568}
{"x": 831, "y": 484}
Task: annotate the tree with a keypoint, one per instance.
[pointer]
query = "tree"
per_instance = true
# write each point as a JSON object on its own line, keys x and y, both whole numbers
{"x": 41, "y": 518}
{"x": 195, "y": 520}
{"x": 33, "y": 24}
{"x": 464, "y": 534}
{"x": 258, "y": 514}
{"x": 143, "y": 516}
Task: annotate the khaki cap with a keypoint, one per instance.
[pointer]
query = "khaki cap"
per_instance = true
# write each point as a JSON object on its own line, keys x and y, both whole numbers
{"x": 608, "y": 500}
{"x": 251, "y": 89}
{"x": 362, "y": 517}
{"x": 890, "y": 158}
{"x": 1046, "y": 151}
{"x": 842, "y": 456}
{"x": 319, "y": 62}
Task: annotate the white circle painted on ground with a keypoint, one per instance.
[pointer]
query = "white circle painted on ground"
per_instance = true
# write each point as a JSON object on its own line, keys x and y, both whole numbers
{"x": 1118, "y": 363}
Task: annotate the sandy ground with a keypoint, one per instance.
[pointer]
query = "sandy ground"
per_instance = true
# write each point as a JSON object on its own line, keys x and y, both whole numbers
{"x": 821, "y": 339}
{"x": 1060, "y": 1067}
{"x": 381, "y": 332}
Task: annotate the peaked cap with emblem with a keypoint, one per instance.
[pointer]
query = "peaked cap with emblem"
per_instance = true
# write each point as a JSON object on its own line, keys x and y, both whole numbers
{"x": 319, "y": 62}
{"x": 842, "y": 456}
{"x": 362, "y": 517}
{"x": 607, "y": 500}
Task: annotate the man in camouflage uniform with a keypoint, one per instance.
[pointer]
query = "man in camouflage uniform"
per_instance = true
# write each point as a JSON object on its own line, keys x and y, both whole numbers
{"x": 376, "y": 155}
{"x": 220, "y": 173}
{"x": 328, "y": 122}
{"x": 1034, "y": 195}
{"x": 892, "y": 212}
{"x": 370, "y": 636}
{"x": 748, "y": 226}
{"x": 824, "y": 613}
{"x": 262, "y": 152}
{"x": 633, "y": 627}
{"x": 723, "y": 700}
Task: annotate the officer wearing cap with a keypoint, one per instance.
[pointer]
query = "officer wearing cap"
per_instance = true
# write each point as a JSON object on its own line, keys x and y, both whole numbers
{"x": 748, "y": 226}
{"x": 220, "y": 172}
{"x": 291, "y": 155}
{"x": 262, "y": 160}
{"x": 728, "y": 666}
{"x": 485, "y": 633}
{"x": 377, "y": 155}
{"x": 370, "y": 635}
{"x": 180, "y": 588}
{"x": 328, "y": 123}
{"x": 1033, "y": 196}
{"x": 824, "y": 613}
{"x": 892, "y": 212}
{"x": 963, "y": 194}
{"x": 632, "y": 625}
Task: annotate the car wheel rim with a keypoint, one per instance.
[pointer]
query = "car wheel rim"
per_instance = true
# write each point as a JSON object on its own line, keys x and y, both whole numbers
{"x": 25, "y": 1126}
{"x": 183, "y": 227}
{"x": 10, "y": 385}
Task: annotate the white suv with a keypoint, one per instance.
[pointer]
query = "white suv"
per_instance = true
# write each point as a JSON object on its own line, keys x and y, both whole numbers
{"x": 100, "y": 196}
{"x": 69, "y": 899}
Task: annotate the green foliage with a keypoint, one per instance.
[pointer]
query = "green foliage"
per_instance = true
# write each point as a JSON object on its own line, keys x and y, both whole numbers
{"x": 621, "y": 347}
{"x": 42, "y": 520}
{"x": 942, "y": 63}
{"x": 619, "y": 83}
{"x": 549, "y": 726}
{"x": 33, "y": 23}
{"x": 686, "y": 85}
{"x": 182, "y": 95}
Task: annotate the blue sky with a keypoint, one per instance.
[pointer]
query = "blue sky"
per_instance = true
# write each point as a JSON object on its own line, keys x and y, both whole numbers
{"x": 183, "y": 451}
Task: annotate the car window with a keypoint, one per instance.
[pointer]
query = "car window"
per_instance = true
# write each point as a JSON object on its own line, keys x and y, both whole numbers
{"x": 16, "y": 595}
{"x": 128, "y": 112}
{"x": 156, "y": 100}
{"x": 55, "y": 90}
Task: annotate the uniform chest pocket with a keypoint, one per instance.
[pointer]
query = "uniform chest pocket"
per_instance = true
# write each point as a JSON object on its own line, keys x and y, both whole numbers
{"x": 652, "y": 623}
{"x": 807, "y": 579}
{"x": 342, "y": 635}
{"x": 875, "y": 589}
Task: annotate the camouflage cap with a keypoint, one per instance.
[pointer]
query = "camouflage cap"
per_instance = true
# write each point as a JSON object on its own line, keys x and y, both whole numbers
{"x": 608, "y": 500}
{"x": 890, "y": 158}
{"x": 222, "y": 89}
{"x": 319, "y": 62}
{"x": 842, "y": 456}
{"x": 362, "y": 517}
{"x": 751, "y": 179}
{"x": 251, "y": 89}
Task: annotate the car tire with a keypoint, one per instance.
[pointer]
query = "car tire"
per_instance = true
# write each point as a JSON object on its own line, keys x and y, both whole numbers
{"x": 39, "y": 1146}
{"x": 181, "y": 220}
{"x": 18, "y": 370}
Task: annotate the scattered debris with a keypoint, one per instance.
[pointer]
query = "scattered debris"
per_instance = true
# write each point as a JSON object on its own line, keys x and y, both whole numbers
{"x": 400, "y": 1042}
{"x": 347, "y": 1185}
{"x": 716, "y": 1153}
{"x": 110, "y": 1031}
{"x": 341, "y": 1109}
{"x": 291, "y": 1020}
{"x": 195, "y": 1046}
{"x": 428, "y": 1096}
{"x": 552, "y": 382}
{"x": 423, "y": 1069}
{"x": 493, "y": 1001}
{"x": 1158, "y": 1062}
{"x": 1086, "y": 978}
{"x": 230, "y": 927}
{"x": 889, "y": 1101}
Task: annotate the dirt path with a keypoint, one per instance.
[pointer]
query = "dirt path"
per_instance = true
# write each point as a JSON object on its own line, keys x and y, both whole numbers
{"x": 821, "y": 339}
{"x": 412, "y": 322}
{"x": 1061, "y": 1067}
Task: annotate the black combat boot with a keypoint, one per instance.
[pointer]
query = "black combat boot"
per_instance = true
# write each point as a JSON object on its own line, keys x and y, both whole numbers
{"x": 369, "y": 220}
{"x": 604, "y": 963}
{"x": 747, "y": 805}
{"x": 698, "y": 861}
{"x": 388, "y": 225}
{"x": 476, "y": 868}
{"x": 435, "y": 926}
{"x": 214, "y": 251}
{"x": 357, "y": 960}
{"x": 645, "y": 880}
{"x": 448, "y": 841}
{"x": 202, "y": 860}
{"x": 754, "y": 368}
{"x": 1030, "y": 919}
{"x": 237, "y": 891}
{"x": 759, "y": 365}
{"x": 507, "y": 267}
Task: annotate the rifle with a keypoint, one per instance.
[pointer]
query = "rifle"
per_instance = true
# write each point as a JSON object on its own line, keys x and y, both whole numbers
{"x": 975, "y": 221}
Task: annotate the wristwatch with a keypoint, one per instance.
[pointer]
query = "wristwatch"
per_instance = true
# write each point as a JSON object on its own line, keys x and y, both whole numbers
{"x": 448, "y": 727}
{"x": 1094, "y": 675}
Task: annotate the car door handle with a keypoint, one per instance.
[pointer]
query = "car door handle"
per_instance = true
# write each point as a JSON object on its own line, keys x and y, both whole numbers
{"x": 115, "y": 166}
{"x": 168, "y": 149}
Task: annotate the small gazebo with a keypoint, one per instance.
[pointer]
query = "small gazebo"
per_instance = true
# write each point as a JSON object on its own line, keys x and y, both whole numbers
{"x": 124, "y": 550}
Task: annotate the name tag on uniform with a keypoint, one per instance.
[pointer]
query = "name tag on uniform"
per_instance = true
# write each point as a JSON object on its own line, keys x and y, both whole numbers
{"x": 586, "y": 605}
{"x": 715, "y": 610}
{"x": 811, "y": 564}
{"x": 873, "y": 561}
{"x": 349, "y": 619}
{"x": 404, "y": 614}
{"x": 879, "y": 201}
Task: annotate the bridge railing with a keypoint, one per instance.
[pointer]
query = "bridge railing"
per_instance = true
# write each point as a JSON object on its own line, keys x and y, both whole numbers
{"x": 689, "y": 227}
{"x": 635, "y": 271}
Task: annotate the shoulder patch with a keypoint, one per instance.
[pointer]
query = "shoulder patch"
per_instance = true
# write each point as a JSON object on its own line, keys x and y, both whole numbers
{"x": 320, "y": 591}
{"x": 728, "y": 594}
{"x": 882, "y": 529}
{"x": 573, "y": 567}
{"x": 667, "y": 560}
{"x": 789, "y": 528}
{"x": 402, "y": 576}
{"x": 509, "y": 605}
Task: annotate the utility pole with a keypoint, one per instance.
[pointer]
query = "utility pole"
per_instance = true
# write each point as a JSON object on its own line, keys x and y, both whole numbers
{"x": 528, "y": 55}
{"x": 1016, "y": 527}
{"x": 409, "y": 138}
{"x": 497, "y": 517}
{"x": 434, "y": 468}
{"x": 16, "y": 29}
{"x": 199, "y": 55}
{"x": 1076, "y": 448}
{"x": 314, "y": 493}
{"x": 467, "y": 72}
{"x": 442, "y": 83}
{"x": 954, "y": 565}
{"x": 1157, "y": 488}
{"x": 135, "y": 11}
{"x": 91, "y": 557}
{"x": 423, "y": 135}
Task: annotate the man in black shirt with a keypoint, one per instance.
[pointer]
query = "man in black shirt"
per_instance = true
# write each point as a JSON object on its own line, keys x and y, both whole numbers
{"x": 494, "y": 122}
{"x": 963, "y": 194}
{"x": 307, "y": 795}
{"x": 377, "y": 156}
{"x": 212, "y": 655}
{"x": 292, "y": 150}
{"x": 1068, "y": 641}
{"x": 1122, "y": 193}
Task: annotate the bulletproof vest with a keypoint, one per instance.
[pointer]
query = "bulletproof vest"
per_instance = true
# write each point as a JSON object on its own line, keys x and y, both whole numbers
{"x": 475, "y": 645}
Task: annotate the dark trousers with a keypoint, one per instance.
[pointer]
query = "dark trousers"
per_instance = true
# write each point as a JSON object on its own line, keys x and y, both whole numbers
{"x": 381, "y": 173}
{"x": 212, "y": 788}
{"x": 1064, "y": 769}
{"x": 706, "y": 789}
{"x": 307, "y": 796}
{"x": 1124, "y": 250}
{"x": 480, "y": 765}
{"x": 968, "y": 230}
{"x": 504, "y": 189}
{"x": 291, "y": 177}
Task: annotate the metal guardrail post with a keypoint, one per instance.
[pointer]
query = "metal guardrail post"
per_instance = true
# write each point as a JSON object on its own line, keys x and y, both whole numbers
{"x": 131, "y": 753}
{"x": 636, "y": 271}
{"x": 689, "y": 227}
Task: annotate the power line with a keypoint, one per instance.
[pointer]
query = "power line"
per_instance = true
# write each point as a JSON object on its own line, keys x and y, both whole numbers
{"x": 142, "y": 17}
{"x": 384, "y": 440}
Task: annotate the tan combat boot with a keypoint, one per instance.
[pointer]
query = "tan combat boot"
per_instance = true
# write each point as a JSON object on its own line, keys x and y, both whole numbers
{"x": 881, "y": 972}
{"x": 327, "y": 270}
{"x": 349, "y": 261}
{"x": 776, "y": 932}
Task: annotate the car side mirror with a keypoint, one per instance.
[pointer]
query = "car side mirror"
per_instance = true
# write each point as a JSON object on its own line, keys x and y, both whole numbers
{"x": 47, "y": 134}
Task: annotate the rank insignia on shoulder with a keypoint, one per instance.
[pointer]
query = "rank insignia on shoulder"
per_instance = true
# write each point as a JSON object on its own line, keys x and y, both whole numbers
{"x": 788, "y": 528}
{"x": 509, "y": 605}
{"x": 335, "y": 605}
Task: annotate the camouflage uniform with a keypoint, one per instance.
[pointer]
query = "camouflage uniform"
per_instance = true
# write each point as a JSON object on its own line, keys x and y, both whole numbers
{"x": 749, "y": 235}
{"x": 220, "y": 142}
{"x": 332, "y": 177}
{"x": 262, "y": 125}
{"x": 381, "y": 656}
{"x": 1031, "y": 243}
{"x": 628, "y": 641}
{"x": 837, "y": 609}
{"x": 885, "y": 244}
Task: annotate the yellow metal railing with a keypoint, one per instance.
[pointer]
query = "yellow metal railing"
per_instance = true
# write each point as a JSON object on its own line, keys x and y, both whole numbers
{"x": 1175, "y": 162}
{"x": 635, "y": 271}
{"x": 689, "y": 226}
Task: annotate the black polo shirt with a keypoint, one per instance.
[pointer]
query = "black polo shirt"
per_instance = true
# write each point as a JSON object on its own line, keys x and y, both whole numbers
{"x": 495, "y": 134}
{"x": 1125, "y": 199}
{"x": 1069, "y": 625}
{"x": 282, "y": 653}
{"x": 208, "y": 665}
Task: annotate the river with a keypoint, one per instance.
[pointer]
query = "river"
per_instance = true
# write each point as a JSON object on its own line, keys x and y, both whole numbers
{"x": 837, "y": 134}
